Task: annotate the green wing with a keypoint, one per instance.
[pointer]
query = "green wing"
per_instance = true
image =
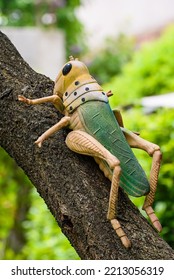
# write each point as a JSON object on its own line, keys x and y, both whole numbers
{"x": 100, "y": 122}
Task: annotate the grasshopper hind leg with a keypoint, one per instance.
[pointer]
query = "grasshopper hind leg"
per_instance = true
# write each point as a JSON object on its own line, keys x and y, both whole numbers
{"x": 83, "y": 143}
{"x": 154, "y": 151}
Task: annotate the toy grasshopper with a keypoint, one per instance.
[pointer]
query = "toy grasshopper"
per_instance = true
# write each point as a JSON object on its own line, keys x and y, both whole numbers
{"x": 98, "y": 131}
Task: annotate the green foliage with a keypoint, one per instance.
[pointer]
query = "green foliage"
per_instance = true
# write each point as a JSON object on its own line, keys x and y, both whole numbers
{"x": 7, "y": 199}
{"x": 36, "y": 232}
{"x": 74, "y": 29}
{"x": 150, "y": 72}
{"x": 46, "y": 14}
{"x": 17, "y": 13}
{"x": 110, "y": 60}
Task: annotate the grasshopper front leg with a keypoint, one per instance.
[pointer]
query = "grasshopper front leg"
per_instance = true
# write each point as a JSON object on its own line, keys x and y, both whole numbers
{"x": 62, "y": 123}
{"x": 56, "y": 101}
{"x": 81, "y": 142}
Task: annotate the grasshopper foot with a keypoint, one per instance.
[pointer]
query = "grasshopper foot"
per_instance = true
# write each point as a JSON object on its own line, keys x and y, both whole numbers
{"x": 156, "y": 223}
{"x": 121, "y": 234}
{"x": 24, "y": 99}
{"x": 39, "y": 142}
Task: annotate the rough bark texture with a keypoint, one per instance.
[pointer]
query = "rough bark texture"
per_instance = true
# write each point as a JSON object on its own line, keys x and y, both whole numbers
{"x": 73, "y": 187}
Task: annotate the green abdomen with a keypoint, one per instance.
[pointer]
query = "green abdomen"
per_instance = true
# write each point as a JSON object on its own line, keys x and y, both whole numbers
{"x": 100, "y": 122}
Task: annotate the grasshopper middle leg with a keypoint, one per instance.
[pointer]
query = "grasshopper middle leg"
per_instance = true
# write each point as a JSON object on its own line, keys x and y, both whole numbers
{"x": 81, "y": 142}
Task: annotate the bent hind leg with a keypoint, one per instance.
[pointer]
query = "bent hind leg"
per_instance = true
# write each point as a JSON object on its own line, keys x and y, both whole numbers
{"x": 153, "y": 150}
{"x": 83, "y": 143}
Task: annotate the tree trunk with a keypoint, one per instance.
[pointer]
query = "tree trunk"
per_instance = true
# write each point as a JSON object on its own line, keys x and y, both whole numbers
{"x": 72, "y": 186}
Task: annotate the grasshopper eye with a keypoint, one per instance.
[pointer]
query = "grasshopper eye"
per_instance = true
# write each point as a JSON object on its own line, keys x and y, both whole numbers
{"x": 66, "y": 69}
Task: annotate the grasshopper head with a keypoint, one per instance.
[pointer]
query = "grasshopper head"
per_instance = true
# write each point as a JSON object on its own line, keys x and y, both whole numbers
{"x": 73, "y": 73}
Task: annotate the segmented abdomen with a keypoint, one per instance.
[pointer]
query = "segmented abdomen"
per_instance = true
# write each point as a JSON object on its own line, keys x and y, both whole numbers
{"x": 100, "y": 122}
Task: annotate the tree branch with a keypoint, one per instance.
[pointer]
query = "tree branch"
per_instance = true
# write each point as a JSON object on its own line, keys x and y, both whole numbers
{"x": 73, "y": 187}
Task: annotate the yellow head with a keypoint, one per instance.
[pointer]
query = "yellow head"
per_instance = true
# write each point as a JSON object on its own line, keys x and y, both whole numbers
{"x": 73, "y": 74}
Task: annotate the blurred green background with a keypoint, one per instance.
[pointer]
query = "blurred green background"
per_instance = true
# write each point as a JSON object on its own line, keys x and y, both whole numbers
{"x": 27, "y": 229}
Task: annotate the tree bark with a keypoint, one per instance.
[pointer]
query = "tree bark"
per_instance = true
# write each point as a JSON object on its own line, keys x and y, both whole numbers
{"x": 72, "y": 186}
